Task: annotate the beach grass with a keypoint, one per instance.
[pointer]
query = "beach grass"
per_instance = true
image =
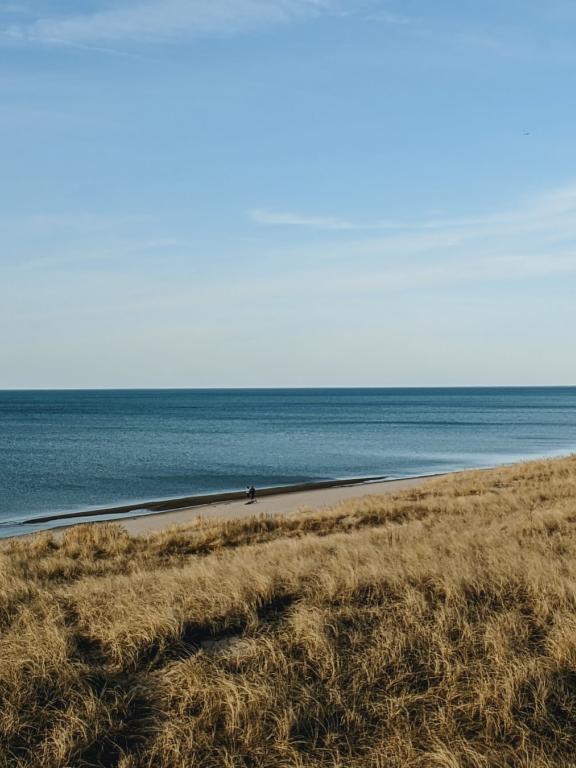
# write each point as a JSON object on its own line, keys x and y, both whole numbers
{"x": 434, "y": 627}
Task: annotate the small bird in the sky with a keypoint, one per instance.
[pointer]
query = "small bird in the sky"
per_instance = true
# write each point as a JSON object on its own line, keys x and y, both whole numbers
{"x": 526, "y": 133}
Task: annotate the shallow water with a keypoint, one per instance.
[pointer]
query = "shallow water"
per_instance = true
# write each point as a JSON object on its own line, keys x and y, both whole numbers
{"x": 67, "y": 451}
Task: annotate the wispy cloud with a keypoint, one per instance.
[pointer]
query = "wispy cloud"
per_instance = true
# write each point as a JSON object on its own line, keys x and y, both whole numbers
{"x": 472, "y": 269}
{"x": 532, "y": 240}
{"x": 83, "y": 222}
{"x": 554, "y": 211}
{"x": 116, "y": 28}
{"x": 81, "y": 256}
{"x": 394, "y": 19}
{"x": 279, "y": 218}
{"x": 157, "y": 21}
{"x": 56, "y": 241}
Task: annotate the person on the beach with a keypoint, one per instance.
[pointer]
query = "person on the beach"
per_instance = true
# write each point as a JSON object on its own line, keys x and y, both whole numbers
{"x": 251, "y": 493}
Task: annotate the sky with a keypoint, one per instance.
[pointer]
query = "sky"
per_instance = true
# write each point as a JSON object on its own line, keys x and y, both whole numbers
{"x": 267, "y": 193}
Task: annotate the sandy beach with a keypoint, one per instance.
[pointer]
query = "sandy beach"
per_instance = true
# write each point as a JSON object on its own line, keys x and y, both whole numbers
{"x": 278, "y": 504}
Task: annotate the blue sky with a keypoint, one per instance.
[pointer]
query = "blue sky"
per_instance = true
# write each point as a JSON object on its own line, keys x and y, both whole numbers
{"x": 287, "y": 193}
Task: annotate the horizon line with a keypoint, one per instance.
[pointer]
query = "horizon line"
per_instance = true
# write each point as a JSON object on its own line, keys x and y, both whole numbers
{"x": 284, "y": 388}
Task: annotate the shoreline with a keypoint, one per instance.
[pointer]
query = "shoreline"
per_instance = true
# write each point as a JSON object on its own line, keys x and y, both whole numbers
{"x": 163, "y": 506}
{"x": 143, "y": 517}
{"x": 271, "y": 504}
{"x": 275, "y": 499}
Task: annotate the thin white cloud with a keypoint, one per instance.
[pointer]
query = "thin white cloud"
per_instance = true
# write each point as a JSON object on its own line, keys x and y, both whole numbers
{"x": 536, "y": 239}
{"x": 394, "y": 19}
{"x": 156, "y": 21}
{"x": 279, "y": 218}
{"x": 553, "y": 212}
{"x": 472, "y": 269}
{"x": 348, "y": 280}
{"x": 87, "y": 223}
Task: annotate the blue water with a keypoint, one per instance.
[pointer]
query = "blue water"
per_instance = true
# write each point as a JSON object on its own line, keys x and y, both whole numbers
{"x": 69, "y": 451}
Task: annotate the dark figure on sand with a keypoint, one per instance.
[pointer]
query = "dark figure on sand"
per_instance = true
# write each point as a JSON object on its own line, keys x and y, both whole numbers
{"x": 251, "y": 494}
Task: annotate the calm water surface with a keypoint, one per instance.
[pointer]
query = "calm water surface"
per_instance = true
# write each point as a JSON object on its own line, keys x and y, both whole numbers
{"x": 68, "y": 451}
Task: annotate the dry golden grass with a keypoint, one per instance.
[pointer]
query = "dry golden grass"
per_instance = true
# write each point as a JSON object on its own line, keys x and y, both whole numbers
{"x": 432, "y": 628}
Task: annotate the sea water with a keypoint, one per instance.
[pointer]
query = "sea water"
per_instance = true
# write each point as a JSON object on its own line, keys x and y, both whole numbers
{"x": 66, "y": 451}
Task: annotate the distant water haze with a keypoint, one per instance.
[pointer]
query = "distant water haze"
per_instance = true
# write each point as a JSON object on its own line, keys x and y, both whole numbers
{"x": 65, "y": 451}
